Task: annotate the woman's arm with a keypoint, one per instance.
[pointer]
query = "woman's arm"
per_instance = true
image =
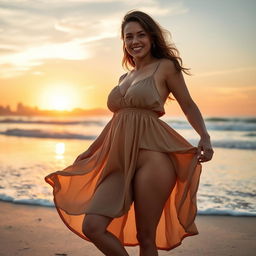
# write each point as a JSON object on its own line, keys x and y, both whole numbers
{"x": 177, "y": 86}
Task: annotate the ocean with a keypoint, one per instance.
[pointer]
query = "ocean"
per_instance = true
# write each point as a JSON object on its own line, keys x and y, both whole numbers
{"x": 32, "y": 147}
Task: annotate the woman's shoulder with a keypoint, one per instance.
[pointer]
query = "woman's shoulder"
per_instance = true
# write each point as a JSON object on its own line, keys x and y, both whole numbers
{"x": 122, "y": 77}
{"x": 167, "y": 67}
{"x": 167, "y": 64}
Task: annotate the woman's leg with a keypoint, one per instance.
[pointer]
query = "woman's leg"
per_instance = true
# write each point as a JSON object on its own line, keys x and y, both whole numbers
{"x": 95, "y": 228}
{"x": 153, "y": 182}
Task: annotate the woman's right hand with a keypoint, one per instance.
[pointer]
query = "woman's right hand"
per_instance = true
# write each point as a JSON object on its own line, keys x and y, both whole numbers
{"x": 82, "y": 156}
{"x": 205, "y": 151}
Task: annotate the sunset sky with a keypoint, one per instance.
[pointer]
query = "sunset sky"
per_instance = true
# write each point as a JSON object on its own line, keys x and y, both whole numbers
{"x": 67, "y": 54}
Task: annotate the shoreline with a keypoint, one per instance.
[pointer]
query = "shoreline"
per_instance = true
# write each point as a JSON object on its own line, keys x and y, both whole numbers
{"x": 37, "y": 230}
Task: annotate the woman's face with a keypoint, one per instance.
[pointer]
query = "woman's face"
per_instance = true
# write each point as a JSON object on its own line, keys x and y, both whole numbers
{"x": 136, "y": 40}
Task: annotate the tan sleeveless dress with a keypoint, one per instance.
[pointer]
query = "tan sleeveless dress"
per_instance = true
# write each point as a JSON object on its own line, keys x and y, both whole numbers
{"x": 102, "y": 184}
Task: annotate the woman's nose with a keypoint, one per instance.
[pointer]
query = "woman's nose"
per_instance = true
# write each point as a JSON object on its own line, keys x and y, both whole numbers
{"x": 135, "y": 39}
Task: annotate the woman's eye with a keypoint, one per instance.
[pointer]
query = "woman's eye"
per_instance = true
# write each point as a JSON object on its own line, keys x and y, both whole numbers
{"x": 141, "y": 35}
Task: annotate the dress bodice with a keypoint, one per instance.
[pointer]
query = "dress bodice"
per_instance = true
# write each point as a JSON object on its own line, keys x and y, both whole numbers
{"x": 142, "y": 94}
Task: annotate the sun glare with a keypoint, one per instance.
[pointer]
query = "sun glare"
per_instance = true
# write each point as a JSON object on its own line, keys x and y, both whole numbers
{"x": 59, "y": 150}
{"x": 59, "y": 97}
{"x": 59, "y": 102}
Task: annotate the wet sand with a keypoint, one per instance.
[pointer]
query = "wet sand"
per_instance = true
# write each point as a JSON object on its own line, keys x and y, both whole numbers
{"x": 33, "y": 230}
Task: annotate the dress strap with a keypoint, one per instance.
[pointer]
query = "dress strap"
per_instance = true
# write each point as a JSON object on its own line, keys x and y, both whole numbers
{"x": 122, "y": 77}
{"x": 158, "y": 64}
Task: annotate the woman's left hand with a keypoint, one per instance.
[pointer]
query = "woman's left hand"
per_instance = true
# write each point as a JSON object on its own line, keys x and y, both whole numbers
{"x": 205, "y": 151}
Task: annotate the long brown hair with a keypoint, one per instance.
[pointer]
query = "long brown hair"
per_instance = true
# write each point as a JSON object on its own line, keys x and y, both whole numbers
{"x": 162, "y": 47}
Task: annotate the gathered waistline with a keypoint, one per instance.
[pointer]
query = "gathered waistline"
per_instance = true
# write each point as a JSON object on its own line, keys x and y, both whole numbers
{"x": 138, "y": 110}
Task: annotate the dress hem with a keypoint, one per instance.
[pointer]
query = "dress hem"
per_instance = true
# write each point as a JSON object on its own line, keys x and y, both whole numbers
{"x": 124, "y": 244}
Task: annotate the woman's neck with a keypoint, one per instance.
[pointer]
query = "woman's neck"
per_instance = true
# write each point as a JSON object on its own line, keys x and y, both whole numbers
{"x": 141, "y": 63}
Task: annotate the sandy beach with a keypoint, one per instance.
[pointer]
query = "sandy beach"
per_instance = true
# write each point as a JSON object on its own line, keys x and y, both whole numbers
{"x": 38, "y": 231}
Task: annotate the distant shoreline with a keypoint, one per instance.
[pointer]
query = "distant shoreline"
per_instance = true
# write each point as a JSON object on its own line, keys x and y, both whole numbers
{"x": 29, "y": 111}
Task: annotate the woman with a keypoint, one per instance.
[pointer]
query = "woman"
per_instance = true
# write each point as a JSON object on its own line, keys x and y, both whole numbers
{"x": 137, "y": 182}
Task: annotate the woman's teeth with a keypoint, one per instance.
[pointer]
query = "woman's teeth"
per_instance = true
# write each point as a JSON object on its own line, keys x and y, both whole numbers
{"x": 137, "y": 48}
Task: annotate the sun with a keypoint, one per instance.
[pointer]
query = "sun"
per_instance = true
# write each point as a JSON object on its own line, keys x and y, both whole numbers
{"x": 59, "y": 97}
{"x": 59, "y": 101}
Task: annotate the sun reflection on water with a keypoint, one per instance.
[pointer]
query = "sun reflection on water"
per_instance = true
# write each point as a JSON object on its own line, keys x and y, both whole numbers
{"x": 59, "y": 150}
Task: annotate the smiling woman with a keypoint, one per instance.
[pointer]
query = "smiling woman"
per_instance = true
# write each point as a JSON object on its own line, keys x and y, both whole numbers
{"x": 136, "y": 183}
{"x": 58, "y": 97}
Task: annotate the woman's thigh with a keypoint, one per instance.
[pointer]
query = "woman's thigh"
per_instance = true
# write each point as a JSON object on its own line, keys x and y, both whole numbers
{"x": 153, "y": 182}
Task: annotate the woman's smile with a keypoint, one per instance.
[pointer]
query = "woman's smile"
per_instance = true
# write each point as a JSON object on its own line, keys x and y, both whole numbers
{"x": 137, "y": 49}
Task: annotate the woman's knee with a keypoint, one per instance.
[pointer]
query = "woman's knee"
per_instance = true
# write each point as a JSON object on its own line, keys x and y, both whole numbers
{"x": 146, "y": 238}
{"x": 94, "y": 225}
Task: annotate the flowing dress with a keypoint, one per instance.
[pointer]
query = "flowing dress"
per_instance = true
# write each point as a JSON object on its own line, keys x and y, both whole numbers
{"x": 102, "y": 183}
